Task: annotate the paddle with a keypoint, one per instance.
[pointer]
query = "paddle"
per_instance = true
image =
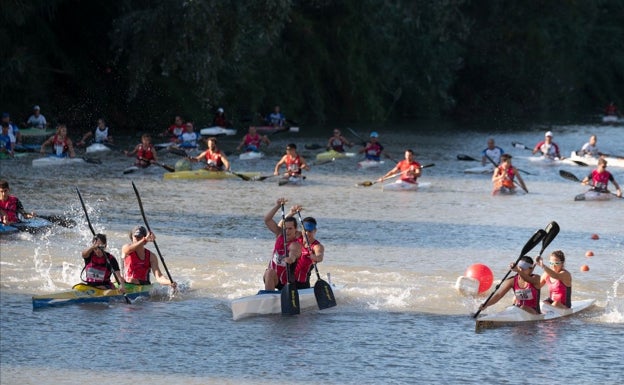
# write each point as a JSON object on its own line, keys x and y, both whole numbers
{"x": 177, "y": 151}
{"x": 59, "y": 220}
{"x": 369, "y": 183}
{"x": 165, "y": 166}
{"x": 108, "y": 264}
{"x": 263, "y": 177}
{"x": 243, "y": 177}
{"x": 535, "y": 239}
{"x": 522, "y": 146}
{"x": 136, "y": 192}
{"x": 290, "y": 295}
{"x": 569, "y": 176}
{"x": 322, "y": 290}
{"x": 469, "y": 158}
{"x": 522, "y": 185}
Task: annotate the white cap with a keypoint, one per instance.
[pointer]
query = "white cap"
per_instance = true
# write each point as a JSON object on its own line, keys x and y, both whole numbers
{"x": 220, "y": 109}
{"x": 36, "y": 108}
{"x": 548, "y": 133}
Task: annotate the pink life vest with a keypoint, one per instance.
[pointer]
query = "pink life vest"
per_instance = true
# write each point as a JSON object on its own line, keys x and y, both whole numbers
{"x": 559, "y": 291}
{"x": 293, "y": 165}
{"x": 528, "y": 296}
{"x": 600, "y": 180}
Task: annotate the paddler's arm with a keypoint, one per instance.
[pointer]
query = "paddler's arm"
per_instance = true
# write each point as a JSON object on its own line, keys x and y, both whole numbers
{"x": 520, "y": 180}
{"x": 279, "y": 164}
{"x": 507, "y": 285}
{"x": 160, "y": 278}
{"x": 318, "y": 252}
{"x": 268, "y": 218}
{"x": 294, "y": 252}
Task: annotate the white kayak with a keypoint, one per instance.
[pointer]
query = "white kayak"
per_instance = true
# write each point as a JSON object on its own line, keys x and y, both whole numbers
{"x": 97, "y": 147}
{"x": 612, "y": 161}
{"x": 249, "y": 155}
{"x": 487, "y": 169}
{"x": 370, "y": 163}
{"x": 217, "y": 131}
{"x": 401, "y": 185}
{"x": 56, "y": 161}
{"x": 514, "y": 314}
{"x": 291, "y": 181}
{"x": 270, "y": 302}
{"x": 593, "y": 195}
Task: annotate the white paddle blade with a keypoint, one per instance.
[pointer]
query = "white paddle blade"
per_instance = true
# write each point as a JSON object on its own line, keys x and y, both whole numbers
{"x": 467, "y": 286}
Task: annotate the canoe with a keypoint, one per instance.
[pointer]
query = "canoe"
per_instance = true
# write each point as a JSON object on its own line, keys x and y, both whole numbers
{"x": 249, "y": 155}
{"x": 593, "y": 195}
{"x": 506, "y": 191}
{"x": 205, "y": 174}
{"x": 401, "y": 185}
{"x": 97, "y": 147}
{"x": 82, "y": 293}
{"x": 370, "y": 163}
{"x": 56, "y": 161}
{"x": 593, "y": 161}
{"x": 270, "y": 302}
{"x": 487, "y": 169}
{"x": 331, "y": 154}
{"x": 217, "y": 131}
{"x": 32, "y": 225}
{"x": 514, "y": 315}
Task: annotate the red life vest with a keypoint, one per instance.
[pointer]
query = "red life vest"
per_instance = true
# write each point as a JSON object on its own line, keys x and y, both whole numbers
{"x": 600, "y": 180}
{"x": 373, "y": 151}
{"x": 404, "y": 167}
{"x": 10, "y": 207}
{"x": 97, "y": 270}
{"x": 253, "y": 140}
{"x": 305, "y": 262}
{"x": 293, "y": 165}
{"x": 145, "y": 152}
{"x": 528, "y": 296}
{"x": 277, "y": 261}
{"x": 509, "y": 177}
{"x": 137, "y": 268}
{"x": 213, "y": 159}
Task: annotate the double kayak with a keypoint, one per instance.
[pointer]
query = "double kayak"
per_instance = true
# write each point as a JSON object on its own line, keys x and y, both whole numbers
{"x": 270, "y": 302}
{"x": 82, "y": 293}
{"x": 514, "y": 315}
{"x": 205, "y": 174}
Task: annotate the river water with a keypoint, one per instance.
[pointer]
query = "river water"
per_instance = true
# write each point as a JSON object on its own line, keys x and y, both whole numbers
{"x": 399, "y": 319}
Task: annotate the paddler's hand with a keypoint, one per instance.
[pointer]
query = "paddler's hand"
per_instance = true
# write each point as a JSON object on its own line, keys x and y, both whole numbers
{"x": 174, "y": 285}
{"x": 122, "y": 288}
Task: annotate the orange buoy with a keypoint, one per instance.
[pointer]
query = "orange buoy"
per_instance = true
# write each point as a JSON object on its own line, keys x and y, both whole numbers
{"x": 584, "y": 268}
{"x": 481, "y": 273}
{"x": 589, "y": 253}
{"x": 595, "y": 237}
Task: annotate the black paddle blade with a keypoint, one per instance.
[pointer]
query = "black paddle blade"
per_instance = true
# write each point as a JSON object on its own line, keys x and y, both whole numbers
{"x": 177, "y": 151}
{"x": 243, "y": 177}
{"x": 92, "y": 160}
{"x": 465, "y": 157}
{"x": 535, "y": 239}
{"x": 290, "y": 300}
{"x": 579, "y": 163}
{"x": 324, "y": 295}
{"x": 552, "y": 229}
{"x": 168, "y": 168}
{"x": 59, "y": 220}
{"x": 569, "y": 176}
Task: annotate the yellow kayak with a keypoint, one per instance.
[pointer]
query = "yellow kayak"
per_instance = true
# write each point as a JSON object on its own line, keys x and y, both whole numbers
{"x": 205, "y": 174}
{"x": 82, "y": 293}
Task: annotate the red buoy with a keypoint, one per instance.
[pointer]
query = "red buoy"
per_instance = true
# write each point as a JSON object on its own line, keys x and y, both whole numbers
{"x": 584, "y": 268}
{"x": 481, "y": 273}
{"x": 589, "y": 253}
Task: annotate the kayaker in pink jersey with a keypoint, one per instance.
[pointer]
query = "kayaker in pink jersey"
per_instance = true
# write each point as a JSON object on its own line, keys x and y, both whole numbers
{"x": 558, "y": 279}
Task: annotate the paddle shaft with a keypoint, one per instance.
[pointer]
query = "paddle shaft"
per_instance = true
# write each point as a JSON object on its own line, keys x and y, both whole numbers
{"x": 531, "y": 243}
{"x": 108, "y": 264}
{"x": 290, "y": 295}
{"x": 136, "y": 192}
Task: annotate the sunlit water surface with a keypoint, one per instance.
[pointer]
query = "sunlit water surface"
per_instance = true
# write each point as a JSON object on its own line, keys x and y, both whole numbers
{"x": 398, "y": 254}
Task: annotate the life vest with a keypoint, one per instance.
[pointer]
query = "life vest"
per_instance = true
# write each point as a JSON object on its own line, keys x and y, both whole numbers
{"x": 220, "y": 121}
{"x": 337, "y": 144}
{"x": 405, "y": 167}
{"x": 60, "y": 145}
{"x": 305, "y": 262}
{"x": 10, "y": 207}
{"x": 97, "y": 270}
{"x": 509, "y": 177}
{"x": 213, "y": 159}
{"x": 293, "y": 165}
{"x": 559, "y": 292}
{"x": 528, "y": 296}
{"x": 373, "y": 151}
{"x": 600, "y": 180}
{"x": 253, "y": 140}
{"x": 137, "y": 268}
{"x": 145, "y": 152}
{"x": 277, "y": 261}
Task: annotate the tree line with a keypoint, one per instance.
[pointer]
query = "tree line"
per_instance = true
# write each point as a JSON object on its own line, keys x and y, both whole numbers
{"x": 140, "y": 62}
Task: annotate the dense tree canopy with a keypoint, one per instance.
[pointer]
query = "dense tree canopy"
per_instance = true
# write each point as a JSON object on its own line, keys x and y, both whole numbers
{"x": 139, "y": 62}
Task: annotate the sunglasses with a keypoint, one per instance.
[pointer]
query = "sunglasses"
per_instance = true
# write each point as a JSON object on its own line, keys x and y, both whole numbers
{"x": 555, "y": 263}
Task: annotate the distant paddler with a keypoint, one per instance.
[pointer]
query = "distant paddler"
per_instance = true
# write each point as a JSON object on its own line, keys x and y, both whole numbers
{"x": 504, "y": 175}
{"x": 408, "y": 169}
{"x": 600, "y": 179}
{"x": 293, "y": 161}
{"x": 214, "y": 158}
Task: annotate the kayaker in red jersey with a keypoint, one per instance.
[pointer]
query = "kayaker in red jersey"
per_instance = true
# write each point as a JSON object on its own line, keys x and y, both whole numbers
{"x": 100, "y": 265}
{"x": 525, "y": 287}
{"x": 11, "y": 206}
{"x": 286, "y": 252}
{"x": 252, "y": 141}
{"x": 337, "y": 142}
{"x": 503, "y": 176}
{"x": 215, "y": 159}
{"x": 145, "y": 152}
{"x": 600, "y": 178}
{"x": 293, "y": 161}
{"x": 311, "y": 253}
{"x": 408, "y": 169}
{"x": 62, "y": 145}
{"x": 139, "y": 261}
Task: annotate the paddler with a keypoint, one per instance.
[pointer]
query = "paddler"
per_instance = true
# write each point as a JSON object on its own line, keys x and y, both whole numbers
{"x": 100, "y": 265}
{"x": 139, "y": 261}
{"x": 11, "y": 206}
{"x": 504, "y": 174}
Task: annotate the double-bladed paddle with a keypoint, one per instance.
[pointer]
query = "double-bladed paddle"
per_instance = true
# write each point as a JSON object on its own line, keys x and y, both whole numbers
{"x": 535, "y": 239}
{"x": 108, "y": 264}
{"x": 136, "y": 192}
{"x": 322, "y": 290}
{"x": 289, "y": 295}
{"x": 471, "y": 159}
{"x": 243, "y": 177}
{"x": 369, "y": 183}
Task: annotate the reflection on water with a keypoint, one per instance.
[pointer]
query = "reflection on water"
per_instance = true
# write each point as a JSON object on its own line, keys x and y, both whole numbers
{"x": 399, "y": 319}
